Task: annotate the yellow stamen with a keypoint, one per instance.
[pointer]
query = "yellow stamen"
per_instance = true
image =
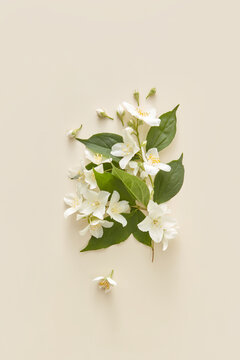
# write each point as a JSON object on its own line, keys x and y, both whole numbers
{"x": 104, "y": 283}
{"x": 142, "y": 113}
{"x": 98, "y": 157}
{"x": 154, "y": 159}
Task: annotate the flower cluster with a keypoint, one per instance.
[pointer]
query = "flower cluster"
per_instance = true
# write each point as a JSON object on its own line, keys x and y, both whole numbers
{"x": 124, "y": 186}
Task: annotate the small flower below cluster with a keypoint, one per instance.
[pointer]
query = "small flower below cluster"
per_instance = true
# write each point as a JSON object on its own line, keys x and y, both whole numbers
{"x": 106, "y": 282}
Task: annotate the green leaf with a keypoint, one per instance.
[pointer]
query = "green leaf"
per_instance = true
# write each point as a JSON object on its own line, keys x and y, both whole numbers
{"x": 161, "y": 136}
{"x": 102, "y": 143}
{"x": 139, "y": 235}
{"x": 109, "y": 182}
{"x": 114, "y": 235}
{"x": 135, "y": 186}
{"x": 168, "y": 184}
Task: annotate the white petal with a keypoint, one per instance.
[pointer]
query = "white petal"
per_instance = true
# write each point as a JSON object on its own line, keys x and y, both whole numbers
{"x": 89, "y": 155}
{"x": 98, "y": 278}
{"x": 164, "y": 167}
{"x": 99, "y": 169}
{"x": 153, "y": 207}
{"x": 123, "y": 206}
{"x": 111, "y": 281}
{"x": 150, "y": 169}
{"x": 164, "y": 244}
{"x": 146, "y": 224}
{"x": 170, "y": 234}
{"x": 70, "y": 211}
{"x": 96, "y": 231}
{"x": 68, "y": 199}
{"x": 114, "y": 198}
{"x": 119, "y": 218}
{"x": 107, "y": 224}
{"x": 152, "y": 121}
{"x": 103, "y": 196}
{"x": 156, "y": 233}
{"x": 125, "y": 160}
{"x": 130, "y": 108}
{"x": 152, "y": 152}
{"x": 99, "y": 212}
{"x": 117, "y": 149}
{"x": 79, "y": 216}
{"x": 84, "y": 231}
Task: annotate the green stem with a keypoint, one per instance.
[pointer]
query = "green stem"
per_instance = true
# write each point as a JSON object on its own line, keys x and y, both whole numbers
{"x": 111, "y": 275}
{"x": 151, "y": 179}
{"x": 137, "y": 134}
{"x": 138, "y": 207}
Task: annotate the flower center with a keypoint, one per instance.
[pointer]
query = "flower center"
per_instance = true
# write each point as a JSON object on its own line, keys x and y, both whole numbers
{"x": 154, "y": 159}
{"x": 98, "y": 157}
{"x": 104, "y": 283}
{"x": 115, "y": 209}
{"x": 95, "y": 203}
{"x": 128, "y": 149}
{"x": 142, "y": 113}
{"x": 96, "y": 226}
{"x": 76, "y": 202}
{"x": 157, "y": 221}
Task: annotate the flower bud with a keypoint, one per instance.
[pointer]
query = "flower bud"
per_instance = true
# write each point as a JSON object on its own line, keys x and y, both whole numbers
{"x": 151, "y": 93}
{"x": 136, "y": 96}
{"x": 102, "y": 114}
{"x": 120, "y": 110}
{"x": 120, "y": 113}
{"x": 73, "y": 132}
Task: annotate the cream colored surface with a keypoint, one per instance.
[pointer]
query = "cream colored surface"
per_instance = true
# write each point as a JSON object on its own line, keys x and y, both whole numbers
{"x": 59, "y": 61}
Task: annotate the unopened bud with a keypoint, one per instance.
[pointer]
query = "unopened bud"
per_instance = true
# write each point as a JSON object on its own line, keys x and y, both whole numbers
{"x": 102, "y": 114}
{"x": 136, "y": 96}
{"x": 120, "y": 113}
{"x": 151, "y": 93}
{"x": 73, "y": 132}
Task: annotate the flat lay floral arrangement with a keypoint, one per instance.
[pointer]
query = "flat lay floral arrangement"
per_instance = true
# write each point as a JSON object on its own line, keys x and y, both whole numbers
{"x": 122, "y": 187}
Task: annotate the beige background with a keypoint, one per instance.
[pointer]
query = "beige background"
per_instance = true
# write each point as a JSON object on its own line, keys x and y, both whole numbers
{"x": 59, "y": 61}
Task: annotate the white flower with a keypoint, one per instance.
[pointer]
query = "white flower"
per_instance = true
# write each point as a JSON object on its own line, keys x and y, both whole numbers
{"x": 152, "y": 163}
{"x": 127, "y": 149}
{"x": 77, "y": 172}
{"x": 95, "y": 227}
{"x": 90, "y": 177}
{"x": 133, "y": 167}
{"x": 95, "y": 203}
{"x": 73, "y": 132}
{"x": 74, "y": 202}
{"x": 96, "y": 158}
{"x": 120, "y": 110}
{"x": 117, "y": 207}
{"x": 106, "y": 283}
{"x": 149, "y": 117}
{"x": 159, "y": 225}
{"x": 102, "y": 114}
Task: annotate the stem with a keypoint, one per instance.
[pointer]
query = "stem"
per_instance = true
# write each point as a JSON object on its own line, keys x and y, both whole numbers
{"x": 151, "y": 179}
{"x": 138, "y": 207}
{"x": 152, "y": 251}
{"x": 109, "y": 117}
{"x": 111, "y": 275}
